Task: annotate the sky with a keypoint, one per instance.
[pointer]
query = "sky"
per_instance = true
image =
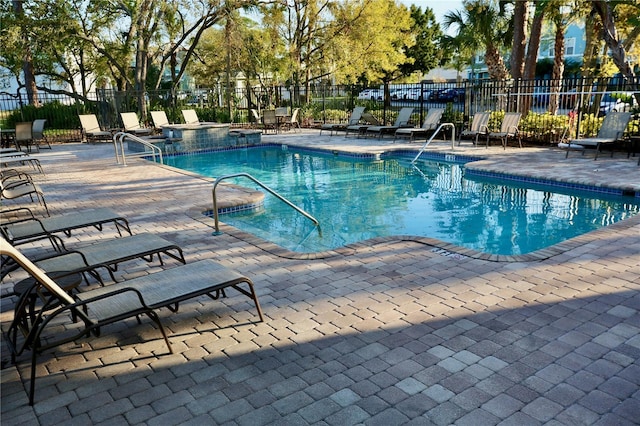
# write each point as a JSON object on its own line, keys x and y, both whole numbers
{"x": 439, "y": 7}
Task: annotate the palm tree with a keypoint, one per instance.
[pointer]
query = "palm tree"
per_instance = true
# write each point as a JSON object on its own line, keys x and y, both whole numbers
{"x": 482, "y": 25}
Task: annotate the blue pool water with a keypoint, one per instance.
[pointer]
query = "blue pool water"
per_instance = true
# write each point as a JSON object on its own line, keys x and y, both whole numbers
{"x": 358, "y": 199}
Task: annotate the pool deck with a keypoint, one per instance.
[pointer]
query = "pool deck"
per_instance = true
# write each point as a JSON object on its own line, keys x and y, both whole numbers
{"x": 392, "y": 331}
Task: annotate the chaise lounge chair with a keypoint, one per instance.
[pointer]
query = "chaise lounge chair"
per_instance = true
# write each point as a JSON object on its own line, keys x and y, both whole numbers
{"x": 430, "y": 125}
{"x": 402, "y": 120}
{"x": 367, "y": 121}
{"x": 354, "y": 119}
{"x": 159, "y": 119}
{"x": 479, "y": 126}
{"x": 612, "y": 129}
{"x": 105, "y": 254}
{"x": 15, "y": 184}
{"x": 89, "y": 312}
{"x": 132, "y": 125}
{"x": 190, "y": 116}
{"x": 508, "y": 129}
{"x": 91, "y": 129}
{"x": 22, "y": 231}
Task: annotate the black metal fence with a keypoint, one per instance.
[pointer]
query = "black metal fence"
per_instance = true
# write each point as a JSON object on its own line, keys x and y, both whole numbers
{"x": 547, "y": 105}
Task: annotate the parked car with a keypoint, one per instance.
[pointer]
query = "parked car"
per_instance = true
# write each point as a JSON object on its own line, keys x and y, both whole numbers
{"x": 613, "y": 102}
{"x": 448, "y": 95}
{"x": 372, "y": 94}
{"x": 414, "y": 94}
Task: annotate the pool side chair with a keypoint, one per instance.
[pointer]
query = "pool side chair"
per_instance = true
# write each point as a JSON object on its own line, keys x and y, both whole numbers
{"x": 402, "y": 120}
{"x": 24, "y": 136}
{"x": 91, "y": 129}
{"x": 429, "y": 126}
{"x": 256, "y": 117}
{"x": 132, "y": 125}
{"x": 611, "y": 131}
{"x": 293, "y": 122}
{"x": 19, "y": 158}
{"x": 159, "y": 119}
{"x": 39, "y": 138}
{"x": 360, "y": 128}
{"x": 354, "y": 118}
{"x": 269, "y": 120}
{"x": 104, "y": 254}
{"x": 479, "y": 127}
{"x": 190, "y": 116}
{"x": 27, "y": 229}
{"x": 508, "y": 129}
{"x": 67, "y": 318}
{"x": 14, "y": 186}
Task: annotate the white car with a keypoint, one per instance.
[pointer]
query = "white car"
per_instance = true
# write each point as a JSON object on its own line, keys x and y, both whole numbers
{"x": 372, "y": 94}
{"x": 610, "y": 102}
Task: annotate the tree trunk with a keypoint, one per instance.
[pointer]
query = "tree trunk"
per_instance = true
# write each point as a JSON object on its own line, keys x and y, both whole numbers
{"x": 612, "y": 39}
{"x": 27, "y": 61}
{"x": 520, "y": 30}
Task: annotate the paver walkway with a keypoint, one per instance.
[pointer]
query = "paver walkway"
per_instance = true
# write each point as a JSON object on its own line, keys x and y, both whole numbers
{"x": 395, "y": 332}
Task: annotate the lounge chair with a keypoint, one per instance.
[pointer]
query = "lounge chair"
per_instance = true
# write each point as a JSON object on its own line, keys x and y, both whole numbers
{"x": 19, "y": 158}
{"x": 269, "y": 120}
{"x": 39, "y": 138}
{"x": 24, "y": 135}
{"x": 402, "y": 120}
{"x": 190, "y": 116}
{"x": 91, "y": 129}
{"x": 24, "y": 230}
{"x": 354, "y": 119}
{"x": 430, "y": 125}
{"x": 132, "y": 125}
{"x": 293, "y": 121}
{"x": 479, "y": 126}
{"x": 105, "y": 254}
{"x": 256, "y": 116}
{"x": 367, "y": 121}
{"x": 508, "y": 129}
{"x": 612, "y": 129}
{"x": 159, "y": 119}
{"x": 89, "y": 312}
{"x": 18, "y": 185}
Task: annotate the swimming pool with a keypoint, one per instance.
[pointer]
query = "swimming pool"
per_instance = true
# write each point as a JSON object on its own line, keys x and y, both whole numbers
{"x": 356, "y": 199}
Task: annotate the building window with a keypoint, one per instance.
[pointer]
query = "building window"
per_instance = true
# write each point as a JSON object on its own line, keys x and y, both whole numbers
{"x": 570, "y": 46}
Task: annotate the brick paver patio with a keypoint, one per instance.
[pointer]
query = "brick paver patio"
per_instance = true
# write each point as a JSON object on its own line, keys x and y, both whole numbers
{"x": 389, "y": 332}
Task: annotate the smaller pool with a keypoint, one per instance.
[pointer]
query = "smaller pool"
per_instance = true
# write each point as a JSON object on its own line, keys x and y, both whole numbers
{"x": 356, "y": 199}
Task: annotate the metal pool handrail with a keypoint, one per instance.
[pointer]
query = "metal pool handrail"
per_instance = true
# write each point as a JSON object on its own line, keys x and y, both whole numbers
{"x": 266, "y": 188}
{"x": 426, "y": 144}
{"x": 119, "y": 138}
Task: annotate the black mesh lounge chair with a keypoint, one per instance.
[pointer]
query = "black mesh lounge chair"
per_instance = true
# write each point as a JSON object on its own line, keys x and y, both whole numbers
{"x": 105, "y": 254}
{"x": 87, "y": 313}
{"x": 367, "y": 121}
{"x": 24, "y": 230}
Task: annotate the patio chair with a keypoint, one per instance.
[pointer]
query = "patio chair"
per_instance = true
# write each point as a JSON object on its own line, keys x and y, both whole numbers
{"x": 430, "y": 125}
{"x": 402, "y": 120}
{"x": 611, "y": 131}
{"x": 354, "y": 119}
{"x": 132, "y": 125}
{"x": 293, "y": 121}
{"x": 478, "y": 127}
{"x": 256, "y": 116}
{"x": 91, "y": 129}
{"x": 508, "y": 129}
{"x": 30, "y": 228}
{"x": 190, "y": 116}
{"x": 367, "y": 121}
{"x": 159, "y": 119}
{"x": 269, "y": 120}
{"x": 89, "y": 312}
{"x": 19, "y": 158}
{"x": 39, "y": 138}
{"x": 24, "y": 135}
{"x": 105, "y": 254}
{"x": 18, "y": 185}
